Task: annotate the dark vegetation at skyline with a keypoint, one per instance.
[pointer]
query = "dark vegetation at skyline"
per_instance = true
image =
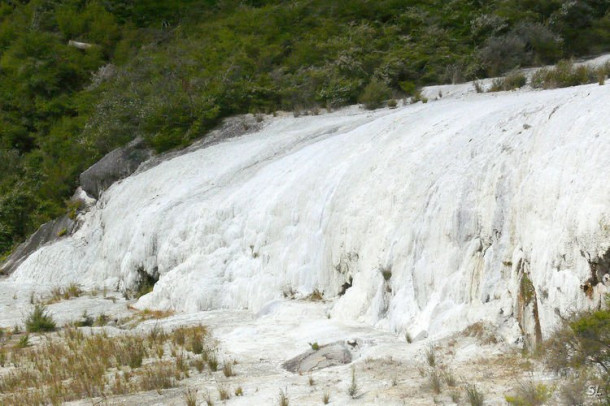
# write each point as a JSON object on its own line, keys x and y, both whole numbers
{"x": 169, "y": 71}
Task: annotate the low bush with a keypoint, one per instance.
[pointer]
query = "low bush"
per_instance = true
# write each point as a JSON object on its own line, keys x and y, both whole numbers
{"x": 39, "y": 320}
{"x": 375, "y": 94}
{"x": 529, "y": 394}
{"x": 564, "y": 74}
{"x": 580, "y": 348}
{"x": 513, "y": 80}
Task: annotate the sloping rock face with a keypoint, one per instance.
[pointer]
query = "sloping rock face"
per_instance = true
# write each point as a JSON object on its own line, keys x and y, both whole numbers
{"x": 61, "y": 227}
{"x": 116, "y": 165}
{"x": 430, "y": 217}
{"x": 48, "y": 232}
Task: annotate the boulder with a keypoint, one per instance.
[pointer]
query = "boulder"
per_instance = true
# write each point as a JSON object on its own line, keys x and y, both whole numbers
{"x": 116, "y": 165}
{"x": 325, "y": 356}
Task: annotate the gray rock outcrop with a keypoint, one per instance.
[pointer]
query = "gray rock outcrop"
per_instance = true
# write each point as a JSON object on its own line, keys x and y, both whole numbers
{"x": 325, "y": 356}
{"x": 116, "y": 165}
{"x": 48, "y": 232}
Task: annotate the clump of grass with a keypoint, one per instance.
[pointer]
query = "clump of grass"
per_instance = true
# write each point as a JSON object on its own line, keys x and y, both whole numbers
{"x": 283, "y": 398}
{"x": 481, "y": 332}
{"x": 435, "y": 382}
{"x": 181, "y": 364}
{"x": 39, "y": 320}
{"x": 475, "y": 398}
{"x": 431, "y": 356}
{"x": 449, "y": 378}
{"x": 227, "y": 369}
{"x": 65, "y": 293}
{"x": 101, "y": 320}
{"x": 602, "y": 72}
{"x": 325, "y": 397}
{"x": 190, "y": 397}
{"x": 478, "y": 87}
{"x": 208, "y": 399}
{"x": 198, "y": 363}
{"x": 196, "y": 339}
{"x": 315, "y": 296}
{"x": 564, "y": 74}
{"x": 529, "y": 394}
{"x": 72, "y": 366}
{"x": 314, "y": 346}
{"x": 353, "y": 387}
{"x": 213, "y": 362}
{"x": 158, "y": 376}
{"x": 23, "y": 341}
{"x": 85, "y": 321}
{"x": 148, "y": 314}
{"x": 73, "y": 290}
{"x": 239, "y": 391}
{"x": 514, "y": 80}
{"x": 419, "y": 97}
{"x": 386, "y": 272}
{"x": 311, "y": 381}
{"x": 223, "y": 393}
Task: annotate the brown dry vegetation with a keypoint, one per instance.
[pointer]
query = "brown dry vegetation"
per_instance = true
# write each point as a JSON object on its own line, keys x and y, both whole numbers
{"x": 73, "y": 365}
{"x": 64, "y": 293}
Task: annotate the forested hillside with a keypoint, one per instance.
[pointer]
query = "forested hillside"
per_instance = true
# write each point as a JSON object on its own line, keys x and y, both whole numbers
{"x": 168, "y": 71}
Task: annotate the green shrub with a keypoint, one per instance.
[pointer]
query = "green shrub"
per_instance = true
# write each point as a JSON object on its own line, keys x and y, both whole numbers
{"x": 85, "y": 321}
{"x": 23, "y": 341}
{"x": 375, "y": 94}
{"x": 39, "y": 320}
{"x": 530, "y": 394}
{"x": 418, "y": 96}
{"x": 513, "y": 80}
{"x": 564, "y": 74}
{"x": 408, "y": 87}
{"x": 581, "y": 346}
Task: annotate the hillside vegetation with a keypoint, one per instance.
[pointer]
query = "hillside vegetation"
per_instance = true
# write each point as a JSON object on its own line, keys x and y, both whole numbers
{"x": 168, "y": 71}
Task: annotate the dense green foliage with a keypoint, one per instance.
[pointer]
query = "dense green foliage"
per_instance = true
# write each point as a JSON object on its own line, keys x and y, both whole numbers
{"x": 168, "y": 71}
{"x": 39, "y": 320}
{"x": 581, "y": 348}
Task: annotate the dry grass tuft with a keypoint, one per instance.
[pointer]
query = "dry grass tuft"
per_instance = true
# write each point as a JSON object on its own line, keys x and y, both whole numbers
{"x": 227, "y": 369}
{"x": 482, "y": 332}
{"x": 72, "y": 365}
{"x": 64, "y": 293}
